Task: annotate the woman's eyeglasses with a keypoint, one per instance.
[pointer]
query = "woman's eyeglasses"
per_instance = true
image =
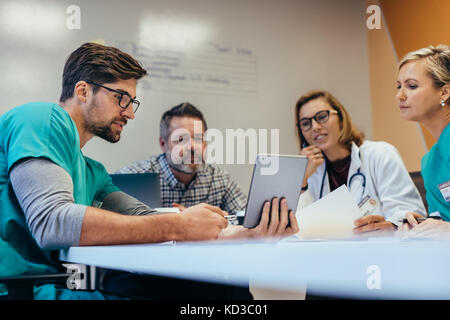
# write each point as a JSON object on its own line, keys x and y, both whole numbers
{"x": 305, "y": 124}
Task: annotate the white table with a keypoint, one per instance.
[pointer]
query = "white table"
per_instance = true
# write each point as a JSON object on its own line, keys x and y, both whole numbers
{"x": 382, "y": 268}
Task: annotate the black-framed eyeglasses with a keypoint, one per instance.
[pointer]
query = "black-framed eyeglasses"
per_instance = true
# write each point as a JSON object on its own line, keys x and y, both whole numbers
{"x": 305, "y": 124}
{"x": 124, "y": 99}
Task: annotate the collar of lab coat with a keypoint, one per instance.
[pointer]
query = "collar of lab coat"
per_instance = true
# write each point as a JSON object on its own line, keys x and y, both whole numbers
{"x": 355, "y": 164}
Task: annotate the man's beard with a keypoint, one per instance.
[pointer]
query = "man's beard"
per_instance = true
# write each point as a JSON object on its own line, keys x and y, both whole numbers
{"x": 101, "y": 130}
{"x": 184, "y": 168}
{"x": 105, "y": 133}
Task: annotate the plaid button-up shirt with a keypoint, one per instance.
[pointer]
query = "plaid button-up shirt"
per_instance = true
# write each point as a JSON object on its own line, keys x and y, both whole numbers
{"x": 211, "y": 185}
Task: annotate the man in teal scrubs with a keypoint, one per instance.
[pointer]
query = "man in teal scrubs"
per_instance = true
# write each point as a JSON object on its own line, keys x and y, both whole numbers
{"x": 43, "y": 130}
{"x": 53, "y": 197}
{"x": 55, "y": 134}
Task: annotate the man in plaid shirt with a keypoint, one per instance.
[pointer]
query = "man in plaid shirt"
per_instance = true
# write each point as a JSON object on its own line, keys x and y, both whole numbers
{"x": 190, "y": 181}
{"x": 184, "y": 183}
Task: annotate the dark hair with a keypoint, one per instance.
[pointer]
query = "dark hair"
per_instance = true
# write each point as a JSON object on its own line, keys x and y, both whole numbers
{"x": 98, "y": 63}
{"x": 349, "y": 132}
{"x": 184, "y": 109}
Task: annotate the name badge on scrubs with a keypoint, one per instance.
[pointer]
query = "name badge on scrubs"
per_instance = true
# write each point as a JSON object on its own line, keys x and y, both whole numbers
{"x": 367, "y": 205}
{"x": 445, "y": 190}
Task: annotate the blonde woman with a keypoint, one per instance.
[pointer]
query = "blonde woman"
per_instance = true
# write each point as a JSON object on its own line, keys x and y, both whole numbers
{"x": 423, "y": 96}
{"x": 338, "y": 154}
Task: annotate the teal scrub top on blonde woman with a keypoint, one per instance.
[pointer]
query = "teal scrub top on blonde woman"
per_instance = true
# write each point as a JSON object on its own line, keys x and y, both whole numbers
{"x": 436, "y": 175}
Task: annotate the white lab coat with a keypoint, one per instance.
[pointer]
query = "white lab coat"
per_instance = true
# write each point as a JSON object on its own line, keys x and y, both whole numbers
{"x": 387, "y": 181}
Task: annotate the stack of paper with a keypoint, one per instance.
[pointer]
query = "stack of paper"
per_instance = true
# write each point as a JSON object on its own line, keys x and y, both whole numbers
{"x": 331, "y": 217}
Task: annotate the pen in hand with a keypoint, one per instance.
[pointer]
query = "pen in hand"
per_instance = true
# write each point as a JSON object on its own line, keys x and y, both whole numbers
{"x": 232, "y": 219}
{"x": 420, "y": 220}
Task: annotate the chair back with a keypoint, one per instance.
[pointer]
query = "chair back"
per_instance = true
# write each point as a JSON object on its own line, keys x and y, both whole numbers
{"x": 418, "y": 181}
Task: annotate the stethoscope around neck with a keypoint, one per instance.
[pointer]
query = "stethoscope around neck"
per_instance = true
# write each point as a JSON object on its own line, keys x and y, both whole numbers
{"x": 358, "y": 173}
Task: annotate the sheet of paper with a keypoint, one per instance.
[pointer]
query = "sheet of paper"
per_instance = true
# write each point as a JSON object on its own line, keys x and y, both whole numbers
{"x": 167, "y": 210}
{"x": 331, "y": 217}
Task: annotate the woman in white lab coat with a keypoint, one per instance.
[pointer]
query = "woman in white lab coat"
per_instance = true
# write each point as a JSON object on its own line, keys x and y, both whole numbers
{"x": 338, "y": 154}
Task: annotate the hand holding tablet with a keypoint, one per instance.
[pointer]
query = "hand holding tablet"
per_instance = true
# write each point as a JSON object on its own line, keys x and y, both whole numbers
{"x": 277, "y": 220}
{"x": 274, "y": 176}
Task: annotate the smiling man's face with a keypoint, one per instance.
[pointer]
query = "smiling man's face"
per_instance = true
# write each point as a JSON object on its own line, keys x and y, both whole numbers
{"x": 185, "y": 143}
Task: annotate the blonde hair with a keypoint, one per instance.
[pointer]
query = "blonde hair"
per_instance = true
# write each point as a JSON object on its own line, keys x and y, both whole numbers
{"x": 349, "y": 132}
{"x": 437, "y": 62}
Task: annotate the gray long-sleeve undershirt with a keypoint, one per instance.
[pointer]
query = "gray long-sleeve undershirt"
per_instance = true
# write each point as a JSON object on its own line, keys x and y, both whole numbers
{"x": 45, "y": 193}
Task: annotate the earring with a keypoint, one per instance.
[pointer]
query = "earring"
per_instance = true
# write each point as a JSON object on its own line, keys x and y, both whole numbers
{"x": 442, "y": 103}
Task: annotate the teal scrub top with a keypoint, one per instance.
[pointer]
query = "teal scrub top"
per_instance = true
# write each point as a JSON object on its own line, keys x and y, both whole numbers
{"x": 436, "y": 172}
{"x": 41, "y": 130}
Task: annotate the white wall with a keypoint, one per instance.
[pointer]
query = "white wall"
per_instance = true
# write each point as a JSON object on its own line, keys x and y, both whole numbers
{"x": 295, "y": 45}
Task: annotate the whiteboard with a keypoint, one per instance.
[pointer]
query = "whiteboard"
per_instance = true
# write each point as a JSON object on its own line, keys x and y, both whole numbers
{"x": 244, "y": 63}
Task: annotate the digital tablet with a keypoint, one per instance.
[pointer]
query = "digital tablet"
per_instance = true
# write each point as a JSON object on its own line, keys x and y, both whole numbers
{"x": 274, "y": 176}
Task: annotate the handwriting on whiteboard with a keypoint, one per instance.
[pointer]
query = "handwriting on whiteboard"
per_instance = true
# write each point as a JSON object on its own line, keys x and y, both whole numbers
{"x": 210, "y": 69}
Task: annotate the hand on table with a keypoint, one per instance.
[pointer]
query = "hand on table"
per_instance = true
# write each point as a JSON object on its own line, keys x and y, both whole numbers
{"x": 412, "y": 222}
{"x": 373, "y": 226}
{"x": 430, "y": 228}
{"x": 202, "y": 222}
